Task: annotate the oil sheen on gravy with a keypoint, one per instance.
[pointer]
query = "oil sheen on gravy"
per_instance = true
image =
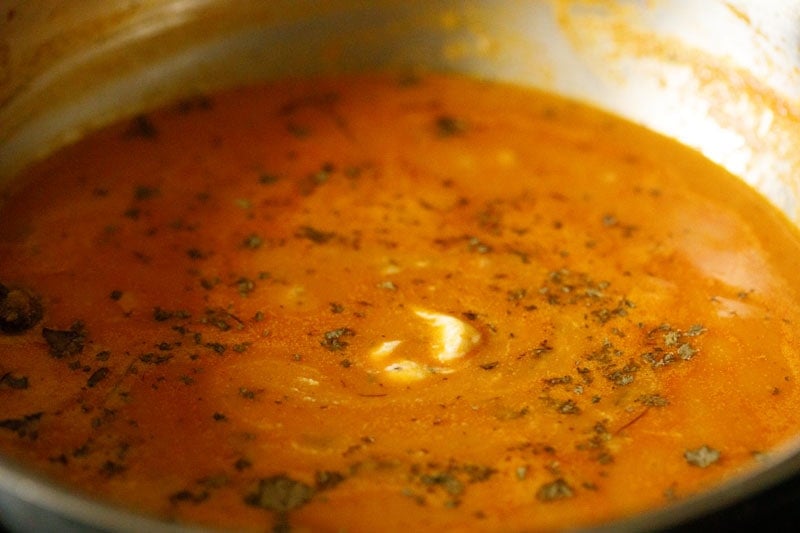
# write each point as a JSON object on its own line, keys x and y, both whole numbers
{"x": 386, "y": 302}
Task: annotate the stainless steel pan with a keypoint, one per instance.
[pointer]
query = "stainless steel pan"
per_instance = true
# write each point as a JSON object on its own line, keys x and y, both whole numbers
{"x": 720, "y": 76}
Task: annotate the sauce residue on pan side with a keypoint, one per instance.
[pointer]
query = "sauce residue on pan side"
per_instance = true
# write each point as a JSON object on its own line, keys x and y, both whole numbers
{"x": 377, "y": 302}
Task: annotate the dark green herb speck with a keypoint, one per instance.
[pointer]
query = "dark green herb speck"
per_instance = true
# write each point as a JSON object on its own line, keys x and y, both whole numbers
{"x": 327, "y": 479}
{"x": 65, "y": 343}
{"x": 144, "y": 192}
{"x": 97, "y": 376}
{"x": 448, "y": 126}
{"x": 141, "y": 126}
{"x": 153, "y": 359}
{"x": 23, "y": 427}
{"x": 314, "y": 235}
{"x": 333, "y": 340}
{"x": 20, "y": 310}
{"x": 13, "y": 382}
{"x": 252, "y": 242}
{"x": 280, "y": 494}
{"x": 555, "y": 490}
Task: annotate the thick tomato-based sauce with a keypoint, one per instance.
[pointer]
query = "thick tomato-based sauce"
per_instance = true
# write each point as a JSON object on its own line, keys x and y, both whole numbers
{"x": 389, "y": 303}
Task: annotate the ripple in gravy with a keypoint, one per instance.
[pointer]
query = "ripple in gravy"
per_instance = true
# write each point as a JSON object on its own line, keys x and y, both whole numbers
{"x": 377, "y": 302}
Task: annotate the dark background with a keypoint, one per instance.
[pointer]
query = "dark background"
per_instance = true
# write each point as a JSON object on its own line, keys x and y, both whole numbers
{"x": 775, "y": 510}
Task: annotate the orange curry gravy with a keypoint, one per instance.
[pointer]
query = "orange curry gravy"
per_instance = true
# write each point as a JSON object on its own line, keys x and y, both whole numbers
{"x": 372, "y": 303}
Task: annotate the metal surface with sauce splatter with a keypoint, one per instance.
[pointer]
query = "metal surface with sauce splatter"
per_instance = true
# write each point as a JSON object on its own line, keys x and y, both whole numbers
{"x": 384, "y": 302}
